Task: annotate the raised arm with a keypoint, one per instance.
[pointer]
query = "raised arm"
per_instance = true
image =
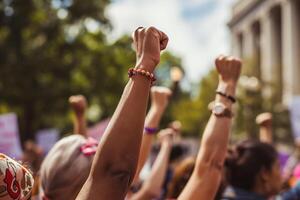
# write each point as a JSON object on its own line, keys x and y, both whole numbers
{"x": 116, "y": 159}
{"x": 159, "y": 101}
{"x": 152, "y": 186}
{"x": 264, "y": 121}
{"x": 79, "y": 105}
{"x": 207, "y": 174}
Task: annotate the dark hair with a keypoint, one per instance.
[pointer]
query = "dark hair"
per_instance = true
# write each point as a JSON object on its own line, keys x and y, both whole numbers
{"x": 245, "y": 161}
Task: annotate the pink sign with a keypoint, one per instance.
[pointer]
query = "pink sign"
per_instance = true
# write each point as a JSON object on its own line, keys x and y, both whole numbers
{"x": 98, "y": 129}
{"x": 9, "y": 134}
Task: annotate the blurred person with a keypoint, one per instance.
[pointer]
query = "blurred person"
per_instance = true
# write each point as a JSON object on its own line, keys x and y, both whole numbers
{"x": 117, "y": 156}
{"x": 16, "y": 181}
{"x": 182, "y": 174}
{"x": 32, "y": 156}
{"x": 152, "y": 186}
{"x": 207, "y": 174}
{"x": 253, "y": 171}
{"x": 68, "y": 163}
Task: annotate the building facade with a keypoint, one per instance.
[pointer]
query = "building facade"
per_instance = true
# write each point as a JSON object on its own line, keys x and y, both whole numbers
{"x": 268, "y": 31}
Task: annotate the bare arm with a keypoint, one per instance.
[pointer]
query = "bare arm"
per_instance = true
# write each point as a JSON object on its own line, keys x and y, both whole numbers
{"x": 79, "y": 104}
{"x": 116, "y": 159}
{"x": 264, "y": 121}
{"x": 153, "y": 184}
{"x": 207, "y": 174}
{"x": 159, "y": 98}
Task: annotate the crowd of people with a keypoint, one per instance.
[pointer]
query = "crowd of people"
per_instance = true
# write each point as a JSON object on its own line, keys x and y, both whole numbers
{"x": 79, "y": 167}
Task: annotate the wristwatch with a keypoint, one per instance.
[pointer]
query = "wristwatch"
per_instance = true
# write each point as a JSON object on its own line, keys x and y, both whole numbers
{"x": 220, "y": 110}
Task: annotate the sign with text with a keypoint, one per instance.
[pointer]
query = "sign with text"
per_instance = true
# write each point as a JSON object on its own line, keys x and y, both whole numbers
{"x": 47, "y": 138}
{"x": 295, "y": 116}
{"x": 9, "y": 134}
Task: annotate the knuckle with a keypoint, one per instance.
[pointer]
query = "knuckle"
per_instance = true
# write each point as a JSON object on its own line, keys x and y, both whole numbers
{"x": 151, "y": 28}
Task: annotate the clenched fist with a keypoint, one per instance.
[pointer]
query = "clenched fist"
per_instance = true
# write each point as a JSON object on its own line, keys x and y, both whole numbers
{"x": 229, "y": 69}
{"x": 166, "y": 135}
{"x": 78, "y": 103}
{"x": 148, "y": 43}
{"x": 160, "y": 97}
{"x": 264, "y": 119}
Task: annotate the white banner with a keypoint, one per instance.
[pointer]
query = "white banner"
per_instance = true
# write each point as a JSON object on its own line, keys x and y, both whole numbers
{"x": 295, "y": 116}
{"x": 9, "y": 136}
{"x": 47, "y": 138}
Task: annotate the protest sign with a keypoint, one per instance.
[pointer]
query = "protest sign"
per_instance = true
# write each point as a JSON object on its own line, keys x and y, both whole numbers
{"x": 9, "y": 134}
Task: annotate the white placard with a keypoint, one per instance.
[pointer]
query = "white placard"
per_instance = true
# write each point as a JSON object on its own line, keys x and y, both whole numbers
{"x": 9, "y": 136}
{"x": 47, "y": 138}
{"x": 295, "y": 116}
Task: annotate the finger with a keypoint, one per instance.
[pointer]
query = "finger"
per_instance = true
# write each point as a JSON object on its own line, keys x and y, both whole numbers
{"x": 163, "y": 40}
{"x": 141, "y": 35}
{"x": 219, "y": 59}
{"x": 135, "y": 37}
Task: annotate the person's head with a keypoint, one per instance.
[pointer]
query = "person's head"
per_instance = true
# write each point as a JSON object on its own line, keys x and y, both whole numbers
{"x": 253, "y": 166}
{"x": 32, "y": 155}
{"x": 182, "y": 174}
{"x": 66, "y": 167}
{"x": 16, "y": 181}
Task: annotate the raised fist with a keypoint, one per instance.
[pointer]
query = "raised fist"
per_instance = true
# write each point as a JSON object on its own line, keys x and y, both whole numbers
{"x": 160, "y": 97}
{"x": 166, "y": 135}
{"x": 229, "y": 69}
{"x": 264, "y": 119}
{"x": 78, "y": 103}
{"x": 148, "y": 43}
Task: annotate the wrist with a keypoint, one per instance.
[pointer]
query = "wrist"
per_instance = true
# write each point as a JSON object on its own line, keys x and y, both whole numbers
{"x": 146, "y": 65}
{"x": 227, "y": 87}
{"x": 158, "y": 110}
{"x": 167, "y": 142}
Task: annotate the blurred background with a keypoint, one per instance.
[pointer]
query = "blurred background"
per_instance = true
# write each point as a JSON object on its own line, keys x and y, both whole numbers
{"x": 52, "y": 49}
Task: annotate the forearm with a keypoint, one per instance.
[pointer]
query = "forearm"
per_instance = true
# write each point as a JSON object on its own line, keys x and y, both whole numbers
{"x": 208, "y": 169}
{"x": 152, "y": 186}
{"x": 265, "y": 134}
{"x": 120, "y": 145}
{"x": 216, "y": 134}
{"x": 80, "y": 125}
{"x": 152, "y": 120}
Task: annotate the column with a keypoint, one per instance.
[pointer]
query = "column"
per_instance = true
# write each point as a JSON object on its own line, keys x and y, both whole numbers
{"x": 291, "y": 51}
{"x": 271, "y": 61}
{"x": 248, "y": 46}
{"x": 236, "y": 44}
{"x": 266, "y": 54}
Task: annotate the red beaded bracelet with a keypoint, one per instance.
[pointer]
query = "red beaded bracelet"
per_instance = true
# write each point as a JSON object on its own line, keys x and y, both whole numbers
{"x": 138, "y": 71}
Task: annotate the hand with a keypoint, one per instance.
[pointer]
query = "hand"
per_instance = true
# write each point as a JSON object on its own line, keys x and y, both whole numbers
{"x": 166, "y": 135}
{"x": 148, "y": 43}
{"x": 160, "y": 97}
{"x": 264, "y": 119}
{"x": 78, "y": 103}
{"x": 229, "y": 69}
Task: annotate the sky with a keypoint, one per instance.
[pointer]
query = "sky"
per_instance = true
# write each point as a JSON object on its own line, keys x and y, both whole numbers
{"x": 196, "y": 28}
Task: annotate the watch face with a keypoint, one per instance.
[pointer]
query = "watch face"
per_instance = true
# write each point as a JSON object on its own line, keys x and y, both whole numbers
{"x": 219, "y": 109}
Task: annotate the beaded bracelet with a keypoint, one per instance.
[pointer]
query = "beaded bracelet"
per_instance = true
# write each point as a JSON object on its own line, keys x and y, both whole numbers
{"x": 137, "y": 71}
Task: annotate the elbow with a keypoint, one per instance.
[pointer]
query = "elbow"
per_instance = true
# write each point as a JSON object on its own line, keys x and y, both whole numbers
{"x": 119, "y": 170}
{"x": 210, "y": 163}
{"x": 152, "y": 192}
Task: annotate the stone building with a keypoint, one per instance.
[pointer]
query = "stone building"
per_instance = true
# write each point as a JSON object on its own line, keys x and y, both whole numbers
{"x": 268, "y": 31}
